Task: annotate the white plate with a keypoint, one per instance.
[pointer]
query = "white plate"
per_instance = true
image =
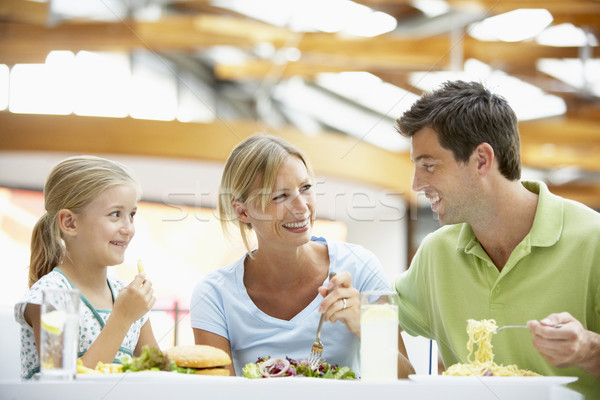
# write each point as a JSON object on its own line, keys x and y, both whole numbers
{"x": 142, "y": 376}
{"x": 492, "y": 380}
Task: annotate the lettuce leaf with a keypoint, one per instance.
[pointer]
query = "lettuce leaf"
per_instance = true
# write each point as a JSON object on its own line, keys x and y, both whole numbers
{"x": 151, "y": 359}
{"x": 251, "y": 371}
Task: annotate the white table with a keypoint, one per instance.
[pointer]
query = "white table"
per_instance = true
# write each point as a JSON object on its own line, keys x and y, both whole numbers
{"x": 172, "y": 386}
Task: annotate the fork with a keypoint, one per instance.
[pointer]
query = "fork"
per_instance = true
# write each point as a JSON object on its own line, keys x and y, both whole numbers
{"x": 317, "y": 347}
{"x": 520, "y": 326}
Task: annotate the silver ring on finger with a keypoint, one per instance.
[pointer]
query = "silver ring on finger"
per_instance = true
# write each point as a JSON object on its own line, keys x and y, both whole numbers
{"x": 344, "y": 306}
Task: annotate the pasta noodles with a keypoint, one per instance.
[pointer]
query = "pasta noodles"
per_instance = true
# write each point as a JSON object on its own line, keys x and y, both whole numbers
{"x": 480, "y": 333}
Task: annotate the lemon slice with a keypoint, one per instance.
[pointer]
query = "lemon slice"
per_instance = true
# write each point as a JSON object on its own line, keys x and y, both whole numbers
{"x": 378, "y": 313}
{"x": 54, "y": 321}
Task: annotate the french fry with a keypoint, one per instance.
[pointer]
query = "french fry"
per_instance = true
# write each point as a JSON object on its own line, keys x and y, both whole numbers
{"x": 101, "y": 368}
{"x": 81, "y": 369}
{"x": 140, "y": 267}
{"x": 109, "y": 368}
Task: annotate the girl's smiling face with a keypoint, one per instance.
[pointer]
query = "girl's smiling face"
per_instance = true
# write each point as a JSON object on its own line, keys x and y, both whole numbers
{"x": 105, "y": 227}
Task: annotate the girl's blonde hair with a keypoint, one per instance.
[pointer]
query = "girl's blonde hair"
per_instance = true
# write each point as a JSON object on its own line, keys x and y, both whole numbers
{"x": 249, "y": 176}
{"x": 72, "y": 184}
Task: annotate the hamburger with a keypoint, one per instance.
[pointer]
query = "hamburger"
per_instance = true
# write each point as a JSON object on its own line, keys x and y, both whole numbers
{"x": 199, "y": 359}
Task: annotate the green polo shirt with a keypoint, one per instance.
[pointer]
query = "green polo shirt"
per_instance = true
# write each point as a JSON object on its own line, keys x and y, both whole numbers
{"x": 555, "y": 268}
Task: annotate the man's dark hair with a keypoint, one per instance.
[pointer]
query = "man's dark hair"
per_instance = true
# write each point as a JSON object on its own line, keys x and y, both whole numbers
{"x": 464, "y": 115}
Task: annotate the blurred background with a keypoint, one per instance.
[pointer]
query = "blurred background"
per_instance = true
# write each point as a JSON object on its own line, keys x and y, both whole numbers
{"x": 169, "y": 87}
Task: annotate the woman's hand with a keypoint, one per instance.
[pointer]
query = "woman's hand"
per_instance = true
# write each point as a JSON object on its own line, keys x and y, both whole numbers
{"x": 341, "y": 302}
{"x": 134, "y": 300}
{"x": 569, "y": 345}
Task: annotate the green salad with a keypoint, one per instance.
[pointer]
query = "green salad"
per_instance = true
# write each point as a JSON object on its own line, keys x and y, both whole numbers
{"x": 153, "y": 359}
{"x": 267, "y": 367}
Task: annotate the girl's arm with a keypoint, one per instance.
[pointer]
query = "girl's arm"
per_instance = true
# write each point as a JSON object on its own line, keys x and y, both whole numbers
{"x": 131, "y": 304}
{"x": 32, "y": 317}
{"x": 146, "y": 339}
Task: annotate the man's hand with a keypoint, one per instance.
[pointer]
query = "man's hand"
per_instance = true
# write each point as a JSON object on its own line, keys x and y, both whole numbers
{"x": 569, "y": 345}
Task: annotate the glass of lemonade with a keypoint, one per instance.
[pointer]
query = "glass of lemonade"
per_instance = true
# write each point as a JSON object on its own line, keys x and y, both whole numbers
{"x": 59, "y": 336}
{"x": 379, "y": 335}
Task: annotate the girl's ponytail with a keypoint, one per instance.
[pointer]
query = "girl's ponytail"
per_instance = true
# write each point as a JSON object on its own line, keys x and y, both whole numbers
{"x": 46, "y": 248}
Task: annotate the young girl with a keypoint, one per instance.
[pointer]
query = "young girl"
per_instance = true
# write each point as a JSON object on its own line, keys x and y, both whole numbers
{"x": 90, "y": 206}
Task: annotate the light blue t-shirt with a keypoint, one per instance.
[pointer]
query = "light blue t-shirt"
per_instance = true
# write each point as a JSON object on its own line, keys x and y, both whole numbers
{"x": 220, "y": 304}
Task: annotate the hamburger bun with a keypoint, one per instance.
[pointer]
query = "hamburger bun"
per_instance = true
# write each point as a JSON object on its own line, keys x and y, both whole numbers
{"x": 213, "y": 371}
{"x": 207, "y": 360}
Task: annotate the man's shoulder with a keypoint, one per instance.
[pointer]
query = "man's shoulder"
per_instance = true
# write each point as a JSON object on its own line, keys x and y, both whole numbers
{"x": 444, "y": 240}
{"x": 444, "y": 234}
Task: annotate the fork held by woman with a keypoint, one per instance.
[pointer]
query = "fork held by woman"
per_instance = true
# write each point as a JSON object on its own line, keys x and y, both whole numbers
{"x": 317, "y": 346}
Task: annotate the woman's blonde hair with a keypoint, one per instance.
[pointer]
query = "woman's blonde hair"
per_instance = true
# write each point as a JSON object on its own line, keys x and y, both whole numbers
{"x": 249, "y": 176}
{"x": 72, "y": 184}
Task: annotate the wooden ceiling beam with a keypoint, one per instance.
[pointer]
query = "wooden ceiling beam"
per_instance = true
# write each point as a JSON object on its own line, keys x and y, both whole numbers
{"x": 309, "y": 67}
{"x": 550, "y": 156}
{"x": 331, "y": 154}
{"x": 515, "y": 55}
{"x": 561, "y": 131}
{"x": 32, "y": 12}
{"x": 23, "y": 42}
{"x": 558, "y": 142}
{"x": 588, "y": 194}
{"x": 577, "y": 12}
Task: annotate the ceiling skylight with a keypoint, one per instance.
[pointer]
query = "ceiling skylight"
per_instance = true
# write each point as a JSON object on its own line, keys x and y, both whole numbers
{"x": 369, "y": 91}
{"x": 528, "y": 101}
{"x": 344, "y": 116}
{"x": 333, "y": 16}
{"x": 580, "y": 75}
{"x": 566, "y": 35}
{"x": 512, "y": 26}
{"x": 432, "y": 8}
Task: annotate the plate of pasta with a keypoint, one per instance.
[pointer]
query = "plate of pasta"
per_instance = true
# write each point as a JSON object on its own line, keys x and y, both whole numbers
{"x": 492, "y": 380}
{"x": 482, "y": 369}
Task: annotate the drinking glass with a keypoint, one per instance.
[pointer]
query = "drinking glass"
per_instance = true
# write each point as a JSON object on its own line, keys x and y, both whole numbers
{"x": 59, "y": 336}
{"x": 379, "y": 335}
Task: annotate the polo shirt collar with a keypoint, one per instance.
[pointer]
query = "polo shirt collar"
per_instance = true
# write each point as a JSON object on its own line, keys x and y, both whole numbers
{"x": 547, "y": 224}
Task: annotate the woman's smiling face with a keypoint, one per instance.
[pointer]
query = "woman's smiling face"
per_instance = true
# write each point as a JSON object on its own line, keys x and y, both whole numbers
{"x": 289, "y": 214}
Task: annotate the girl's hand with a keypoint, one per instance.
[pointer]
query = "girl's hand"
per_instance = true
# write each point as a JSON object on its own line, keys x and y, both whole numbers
{"x": 342, "y": 303}
{"x": 134, "y": 300}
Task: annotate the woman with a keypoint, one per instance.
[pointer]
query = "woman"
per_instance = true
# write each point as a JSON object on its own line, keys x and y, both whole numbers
{"x": 268, "y": 303}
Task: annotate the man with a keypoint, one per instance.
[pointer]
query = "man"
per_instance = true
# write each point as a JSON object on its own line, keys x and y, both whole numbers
{"x": 508, "y": 250}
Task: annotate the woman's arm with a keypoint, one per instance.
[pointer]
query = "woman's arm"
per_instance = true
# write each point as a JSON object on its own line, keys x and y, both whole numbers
{"x": 212, "y": 339}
